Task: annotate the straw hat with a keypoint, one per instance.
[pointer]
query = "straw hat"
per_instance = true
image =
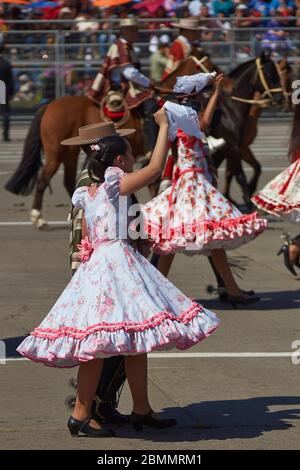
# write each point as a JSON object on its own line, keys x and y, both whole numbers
{"x": 187, "y": 23}
{"x": 93, "y": 132}
{"x": 129, "y": 23}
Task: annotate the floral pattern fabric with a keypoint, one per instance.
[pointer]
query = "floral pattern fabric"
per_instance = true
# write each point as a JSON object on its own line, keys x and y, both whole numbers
{"x": 117, "y": 302}
{"x": 281, "y": 196}
{"x": 192, "y": 215}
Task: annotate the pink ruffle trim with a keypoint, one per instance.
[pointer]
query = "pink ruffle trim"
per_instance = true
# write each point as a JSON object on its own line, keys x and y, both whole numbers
{"x": 56, "y": 361}
{"x": 152, "y": 322}
{"x": 246, "y": 226}
{"x": 69, "y": 347}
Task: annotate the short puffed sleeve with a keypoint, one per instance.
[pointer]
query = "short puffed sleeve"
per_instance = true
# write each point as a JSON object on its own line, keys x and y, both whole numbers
{"x": 78, "y": 198}
{"x": 112, "y": 177}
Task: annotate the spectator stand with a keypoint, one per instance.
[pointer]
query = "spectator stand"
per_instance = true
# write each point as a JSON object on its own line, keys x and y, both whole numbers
{"x": 53, "y": 57}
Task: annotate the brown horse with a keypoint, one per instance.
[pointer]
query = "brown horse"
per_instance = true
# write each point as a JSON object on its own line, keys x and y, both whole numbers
{"x": 61, "y": 119}
{"x": 52, "y": 124}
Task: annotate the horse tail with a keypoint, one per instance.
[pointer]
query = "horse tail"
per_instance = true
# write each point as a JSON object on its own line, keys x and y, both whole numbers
{"x": 25, "y": 176}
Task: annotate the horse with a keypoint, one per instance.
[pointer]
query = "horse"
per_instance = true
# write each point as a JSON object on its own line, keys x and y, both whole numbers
{"x": 51, "y": 124}
{"x": 257, "y": 82}
{"x": 250, "y": 128}
{"x": 61, "y": 119}
{"x": 246, "y": 125}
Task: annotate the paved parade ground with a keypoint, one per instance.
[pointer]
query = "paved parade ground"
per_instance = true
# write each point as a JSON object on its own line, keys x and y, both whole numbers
{"x": 239, "y": 389}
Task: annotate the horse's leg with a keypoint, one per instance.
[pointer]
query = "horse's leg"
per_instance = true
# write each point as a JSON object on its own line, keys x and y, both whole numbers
{"x": 227, "y": 182}
{"x": 250, "y": 133}
{"x": 43, "y": 180}
{"x": 218, "y": 157}
{"x": 249, "y": 158}
{"x": 70, "y": 167}
{"x": 235, "y": 166}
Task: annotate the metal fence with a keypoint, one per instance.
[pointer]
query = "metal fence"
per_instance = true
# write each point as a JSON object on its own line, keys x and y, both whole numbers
{"x": 54, "y": 59}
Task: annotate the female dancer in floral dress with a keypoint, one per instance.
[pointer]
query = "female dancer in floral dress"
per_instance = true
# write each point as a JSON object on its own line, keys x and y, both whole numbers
{"x": 281, "y": 196}
{"x": 117, "y": 302}
{"x": 192, "y": 216}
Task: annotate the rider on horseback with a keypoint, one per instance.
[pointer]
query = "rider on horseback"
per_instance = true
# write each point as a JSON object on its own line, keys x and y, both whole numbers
{"x": 181, "y": 48}
{"x": 120, "y": 71}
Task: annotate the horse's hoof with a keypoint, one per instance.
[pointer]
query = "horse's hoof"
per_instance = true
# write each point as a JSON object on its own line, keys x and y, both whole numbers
{"x": 34, "y": 215}
{"x": 42, "y": 225}
{"x": 37, "y": 221}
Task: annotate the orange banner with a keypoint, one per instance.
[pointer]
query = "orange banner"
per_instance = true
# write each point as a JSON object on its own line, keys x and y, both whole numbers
{"x": 18, "y": 2}
{"x": 109, "y": 3}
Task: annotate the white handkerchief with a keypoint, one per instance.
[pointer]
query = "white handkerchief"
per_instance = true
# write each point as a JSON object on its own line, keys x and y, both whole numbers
{"x": 189, "y": 83}
{"x": 182, "y": 117}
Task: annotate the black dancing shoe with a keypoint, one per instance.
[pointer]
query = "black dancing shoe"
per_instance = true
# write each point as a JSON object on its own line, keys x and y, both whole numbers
{"x": 152, "y": 420}
{"x": 107, "y": 414}
{"x": 223, "y": 295}
{"x": 289, "y": 261}
{"x": 236, "y": 300}
{"x": 80, "y": 428}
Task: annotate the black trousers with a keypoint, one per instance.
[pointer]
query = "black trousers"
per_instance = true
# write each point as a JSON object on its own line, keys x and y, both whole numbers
{"x": 5, "y": 112}
{"x": 111, "y": 381}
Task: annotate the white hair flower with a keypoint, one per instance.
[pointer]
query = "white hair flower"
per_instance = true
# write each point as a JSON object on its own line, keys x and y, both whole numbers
{"x": 95, "y": 147}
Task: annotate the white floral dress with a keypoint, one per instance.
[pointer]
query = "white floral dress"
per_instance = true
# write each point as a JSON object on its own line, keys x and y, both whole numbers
{"x": 281, "y": 196}
{"x": 117, "y": 302}
{"x": 192, "y": 216}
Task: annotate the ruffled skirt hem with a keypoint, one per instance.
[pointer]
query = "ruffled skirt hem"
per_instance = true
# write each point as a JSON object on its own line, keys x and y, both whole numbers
{"x": 64, "y": 349}
{"x": 286, "y": 209}
{"x": 227, "y": 234}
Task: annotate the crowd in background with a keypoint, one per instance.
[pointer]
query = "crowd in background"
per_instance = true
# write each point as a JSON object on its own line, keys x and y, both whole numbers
{"x": 86, "y": 40}
{"x": 246, "y": 12}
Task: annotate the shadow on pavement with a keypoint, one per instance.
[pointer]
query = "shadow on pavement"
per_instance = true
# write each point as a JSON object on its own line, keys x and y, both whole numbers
{"x": 224, "y": 419}
{"x": 213, "y": 420}
{"x": 279, "y": 300}
{"x": 11, "y": 345}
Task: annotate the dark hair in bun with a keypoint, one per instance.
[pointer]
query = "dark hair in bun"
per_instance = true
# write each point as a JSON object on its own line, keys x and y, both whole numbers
{"x": 101, "y": 155}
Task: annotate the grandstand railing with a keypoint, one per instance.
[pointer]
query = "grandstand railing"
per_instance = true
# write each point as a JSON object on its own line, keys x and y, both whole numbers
{"x": 52, "y": 58}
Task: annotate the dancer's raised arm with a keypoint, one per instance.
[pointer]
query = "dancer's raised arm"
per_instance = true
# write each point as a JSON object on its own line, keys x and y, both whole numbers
{"x": 132, "y": 182}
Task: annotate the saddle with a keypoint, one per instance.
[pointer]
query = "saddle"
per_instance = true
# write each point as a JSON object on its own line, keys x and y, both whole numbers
{"x": 113, "y": 106}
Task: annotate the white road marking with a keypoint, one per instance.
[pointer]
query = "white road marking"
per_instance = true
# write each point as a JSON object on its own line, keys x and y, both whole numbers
{"x": 222, "y": 170}
{"x": 194, "y": 355}
{"x": 4, "y": 173}
{"x": 221, "y": 354}
{"x": 16, "y": 224}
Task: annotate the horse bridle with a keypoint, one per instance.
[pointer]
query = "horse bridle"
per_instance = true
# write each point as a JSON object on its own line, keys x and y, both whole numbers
{"x": 285, "y": 92}
{"x": 200, "y": 63}
{"x": 263, "y": 101}
{"x": 267, "y": 95}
